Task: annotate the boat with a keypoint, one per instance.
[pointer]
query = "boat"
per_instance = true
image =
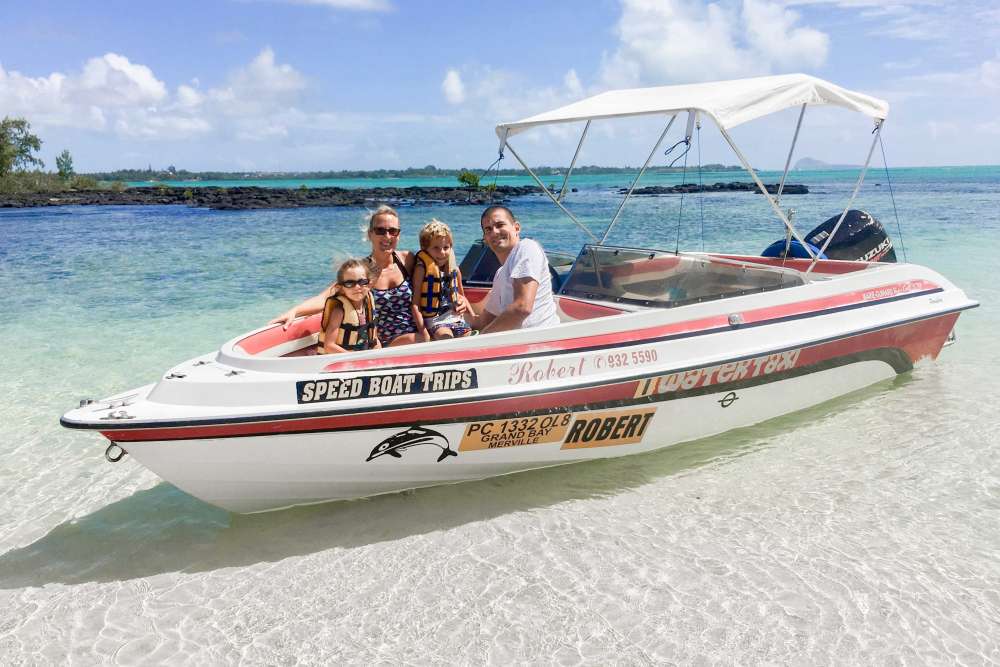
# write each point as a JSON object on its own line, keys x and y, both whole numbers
{"x": 654, "y": 348}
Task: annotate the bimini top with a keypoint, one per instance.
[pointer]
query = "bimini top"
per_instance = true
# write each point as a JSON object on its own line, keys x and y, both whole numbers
{"x": 729, "y": 103}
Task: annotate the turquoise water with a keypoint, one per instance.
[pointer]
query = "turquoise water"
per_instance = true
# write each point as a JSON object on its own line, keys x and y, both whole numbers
{"x": 651, "y": 177}
{"x": 862, "y": 531}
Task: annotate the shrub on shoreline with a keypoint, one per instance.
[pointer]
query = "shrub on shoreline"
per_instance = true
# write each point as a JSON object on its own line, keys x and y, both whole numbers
{"x": 39, "y": 181}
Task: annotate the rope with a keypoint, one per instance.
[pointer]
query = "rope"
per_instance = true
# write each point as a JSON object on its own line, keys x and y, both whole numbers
{"x": 682, "y": 155}
{"x": 899, "y": 227}
{"x": 496, "y": 163}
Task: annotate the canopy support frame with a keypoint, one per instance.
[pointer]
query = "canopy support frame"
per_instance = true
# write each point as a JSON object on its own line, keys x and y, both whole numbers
{"x": 562, "y": 192}
{"x": 638, "y": 176}
{"x": 791, "y": 150}
{"x": 857, "y": 188}
{"x": 555, "y": 200}
{"x": 784, "y": 175}
{"x": 763, "y": 189}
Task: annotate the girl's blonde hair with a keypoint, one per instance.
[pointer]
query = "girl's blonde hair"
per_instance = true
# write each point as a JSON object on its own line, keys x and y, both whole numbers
{"x": 371, "y": 271}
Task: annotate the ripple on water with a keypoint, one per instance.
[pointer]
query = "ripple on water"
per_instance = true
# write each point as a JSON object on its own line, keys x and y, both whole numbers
{"x": 863, "y": 531}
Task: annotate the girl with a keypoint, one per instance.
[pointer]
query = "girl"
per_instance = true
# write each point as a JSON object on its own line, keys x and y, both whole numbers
{"x": 348, "y": 314}
{"x": 390, "y": 287}
{"x": 437, "y": 286}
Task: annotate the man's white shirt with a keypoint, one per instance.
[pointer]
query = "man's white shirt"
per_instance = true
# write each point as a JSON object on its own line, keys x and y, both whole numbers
{"x": 526, "y": 260}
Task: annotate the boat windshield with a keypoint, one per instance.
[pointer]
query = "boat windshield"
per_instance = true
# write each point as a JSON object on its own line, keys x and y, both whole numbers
{"x": 665, "y": 279}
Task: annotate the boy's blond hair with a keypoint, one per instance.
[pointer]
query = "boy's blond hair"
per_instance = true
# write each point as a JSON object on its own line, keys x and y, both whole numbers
{"x": 432, "y": 230}
{"x": 436, "y": 229}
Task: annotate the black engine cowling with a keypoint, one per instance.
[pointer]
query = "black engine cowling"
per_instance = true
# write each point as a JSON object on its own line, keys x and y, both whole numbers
{"x": 861, "y": 237}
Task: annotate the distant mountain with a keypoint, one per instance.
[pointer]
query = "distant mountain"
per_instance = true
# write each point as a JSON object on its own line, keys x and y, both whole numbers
{"x": 812, "y": 164}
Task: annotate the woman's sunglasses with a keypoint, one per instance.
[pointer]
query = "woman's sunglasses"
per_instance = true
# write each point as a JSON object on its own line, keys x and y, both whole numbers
{"x": 387, "y": 231}
{"x": 354, "y": 283}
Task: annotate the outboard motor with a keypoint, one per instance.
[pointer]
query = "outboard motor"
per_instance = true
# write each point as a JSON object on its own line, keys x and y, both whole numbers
{"x": 795, "y": 249}
{"x": 861, "y": 238}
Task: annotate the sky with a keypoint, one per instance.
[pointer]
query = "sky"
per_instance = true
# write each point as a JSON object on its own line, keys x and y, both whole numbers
{"x": 303, "y": 85}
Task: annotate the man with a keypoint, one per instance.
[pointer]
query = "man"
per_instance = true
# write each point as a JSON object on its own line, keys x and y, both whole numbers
{"x": 521, "y": 296}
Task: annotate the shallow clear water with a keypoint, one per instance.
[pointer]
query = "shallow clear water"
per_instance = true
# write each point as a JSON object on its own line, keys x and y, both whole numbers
{"x": 866, "y": 530}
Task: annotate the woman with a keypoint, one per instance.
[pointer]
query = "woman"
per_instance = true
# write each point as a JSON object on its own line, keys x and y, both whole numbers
{"x": 390, "y": 288}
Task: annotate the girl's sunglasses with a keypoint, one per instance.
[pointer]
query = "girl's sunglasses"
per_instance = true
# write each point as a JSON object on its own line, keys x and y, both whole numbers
{"x": 354, "y": 283}
{"x": 387, "y": 231}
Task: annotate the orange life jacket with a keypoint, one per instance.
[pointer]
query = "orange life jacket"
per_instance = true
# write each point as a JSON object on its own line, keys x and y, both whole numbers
{"x": 352, "y": 334}
{"x": 436, "y": 281}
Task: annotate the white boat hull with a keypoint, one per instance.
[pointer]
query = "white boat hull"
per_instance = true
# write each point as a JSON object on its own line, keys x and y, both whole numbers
{"x": 245, "y": 475}
{"x": 253, "y": 429}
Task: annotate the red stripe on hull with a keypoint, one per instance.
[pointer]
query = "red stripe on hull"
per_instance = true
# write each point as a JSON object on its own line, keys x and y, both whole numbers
{"x": 621, "y": 391}
{"x": 603, "y": 340}
{"x": 917, "y": 339}
{"x": 265, "y": 340}
{"x": 827, "y": 266}
{"x": 581, "y": 310}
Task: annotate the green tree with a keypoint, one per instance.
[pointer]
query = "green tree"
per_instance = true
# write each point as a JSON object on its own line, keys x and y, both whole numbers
{"x": 17, "y": 146}
{"x": 64, "y": 163}
{"x": 466, "y": 177}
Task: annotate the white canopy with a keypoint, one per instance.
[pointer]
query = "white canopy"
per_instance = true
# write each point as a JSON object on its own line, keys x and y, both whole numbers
{"x": 729, "y": 103}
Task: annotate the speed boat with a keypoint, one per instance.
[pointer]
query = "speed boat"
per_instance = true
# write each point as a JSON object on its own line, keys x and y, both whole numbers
{"x": 655, "y": 348}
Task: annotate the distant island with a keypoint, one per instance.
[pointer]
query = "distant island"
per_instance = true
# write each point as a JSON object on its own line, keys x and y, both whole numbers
{"x": 23, "y": 183}
{"x": 430, "y": 171}
{"x": 812, "y": 164}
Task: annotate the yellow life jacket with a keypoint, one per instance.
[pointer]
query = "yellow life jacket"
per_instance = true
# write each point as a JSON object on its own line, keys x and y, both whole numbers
{"x": 352, "y": 334}
{"x": 435, "y": 280}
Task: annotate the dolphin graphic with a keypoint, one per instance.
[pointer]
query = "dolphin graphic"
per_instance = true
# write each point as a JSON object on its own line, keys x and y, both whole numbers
{"x": 411, "y": 437}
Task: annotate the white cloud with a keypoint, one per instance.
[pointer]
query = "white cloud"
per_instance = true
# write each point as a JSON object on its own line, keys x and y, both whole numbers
{"x": 188, "y": 97}
{"x": 679, "y": 41}
{"x": 895, "y": 65}
{"x": 112, "y": 80}
{"x": 989, "y": 73}
{"x": 143, "y": 124}
{"x": 503, "y": 95}
{"x": 938, "y": 130}
{"x": 453, "y": 88}
{"x": 991, "y": 127}
{"x": 771, "y": 32}
{"x": 20, "y": 94}
{"x": 356, "y": 5}
{"x": 111, "y": 93}
{"x": 921, "y": 20}
{"x": 105, "y": 83}
{"x": 572, "y": 83}
{"x": 261, "y": 85}
{"x": 979, "y": 82}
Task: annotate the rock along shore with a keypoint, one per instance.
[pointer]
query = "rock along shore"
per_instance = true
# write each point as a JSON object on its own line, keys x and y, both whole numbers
{"x": 735, "y": 186}
{"x": 240, "y": 198}
{"x": 252, "y": 197}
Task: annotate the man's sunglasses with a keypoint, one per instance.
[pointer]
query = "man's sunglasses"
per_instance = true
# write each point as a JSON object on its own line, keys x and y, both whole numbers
{"x": 354, "y": 283}
{"x": 387, "y": 231}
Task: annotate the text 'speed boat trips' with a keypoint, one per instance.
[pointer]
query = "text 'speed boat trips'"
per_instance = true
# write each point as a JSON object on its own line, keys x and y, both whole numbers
{"x": 654, "y": 348}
